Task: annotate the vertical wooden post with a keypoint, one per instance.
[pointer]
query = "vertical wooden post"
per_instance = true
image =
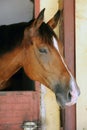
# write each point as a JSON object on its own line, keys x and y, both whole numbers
{"x": 36, "y": 7}
{"x": 69, "y": 43}
{"x": 36, "y": 12}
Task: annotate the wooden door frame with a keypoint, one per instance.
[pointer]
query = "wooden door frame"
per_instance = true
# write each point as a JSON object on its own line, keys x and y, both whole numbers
{"x": 36, "y": 7}
{"x": 69, "y": 49}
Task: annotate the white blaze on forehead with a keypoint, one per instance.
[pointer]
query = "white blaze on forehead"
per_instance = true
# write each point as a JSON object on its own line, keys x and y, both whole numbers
{"x": 55, "y": 43}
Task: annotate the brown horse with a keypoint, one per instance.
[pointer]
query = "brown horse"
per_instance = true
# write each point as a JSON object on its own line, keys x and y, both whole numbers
{"x": 35, "y": 47}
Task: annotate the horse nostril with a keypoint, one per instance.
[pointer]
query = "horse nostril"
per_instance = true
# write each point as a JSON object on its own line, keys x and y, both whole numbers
{"x": 69, "y": 96}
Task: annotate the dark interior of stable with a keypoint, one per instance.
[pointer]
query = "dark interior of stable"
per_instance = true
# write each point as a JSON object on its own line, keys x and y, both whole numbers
{"x": 20, "y": 82}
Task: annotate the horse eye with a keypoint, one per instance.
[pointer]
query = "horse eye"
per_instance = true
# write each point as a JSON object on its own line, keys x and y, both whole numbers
{"x": 43, "y": 50}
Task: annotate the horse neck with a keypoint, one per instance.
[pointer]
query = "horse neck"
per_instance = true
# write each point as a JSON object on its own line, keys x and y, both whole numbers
{"x": 10, "y": 63}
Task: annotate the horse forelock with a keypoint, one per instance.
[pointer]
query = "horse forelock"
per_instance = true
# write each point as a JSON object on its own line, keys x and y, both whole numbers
{"x": 46, "y": 33}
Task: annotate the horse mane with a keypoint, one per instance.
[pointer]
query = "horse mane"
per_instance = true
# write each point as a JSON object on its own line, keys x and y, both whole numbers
{"x": 11, "y": 36}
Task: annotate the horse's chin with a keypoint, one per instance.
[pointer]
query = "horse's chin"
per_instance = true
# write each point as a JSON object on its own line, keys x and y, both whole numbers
{"x": 61, "y": 101}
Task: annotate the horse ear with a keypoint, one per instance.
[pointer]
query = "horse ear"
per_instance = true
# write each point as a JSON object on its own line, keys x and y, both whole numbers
{"x": 39, "y": 19}
{"x": 53, "y": 21}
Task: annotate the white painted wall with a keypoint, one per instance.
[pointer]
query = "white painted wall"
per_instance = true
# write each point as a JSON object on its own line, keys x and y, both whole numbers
{"x": 12, "y": 11}
{"x": 81, "y": 62}
{"x": 51, "y": 7}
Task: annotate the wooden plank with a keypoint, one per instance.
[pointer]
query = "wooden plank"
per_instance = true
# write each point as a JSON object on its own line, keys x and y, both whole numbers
{"x": 36, "y": 7}
{"x": 18, "y": 107}
{"x": 69, "y": 42}
{"x": 69, "y": 34}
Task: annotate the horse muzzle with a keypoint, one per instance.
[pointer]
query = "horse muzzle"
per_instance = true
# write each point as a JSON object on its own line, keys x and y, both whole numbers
{"x": 67, "y": 97}
{"x": 74, "y": 93}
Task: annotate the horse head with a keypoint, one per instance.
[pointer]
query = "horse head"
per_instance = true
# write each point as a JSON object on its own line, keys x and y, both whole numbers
{"x": 44, "y": 62}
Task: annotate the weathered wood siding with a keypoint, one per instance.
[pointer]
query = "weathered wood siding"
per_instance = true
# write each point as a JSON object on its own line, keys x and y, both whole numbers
{"x": 17, "y": 108}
